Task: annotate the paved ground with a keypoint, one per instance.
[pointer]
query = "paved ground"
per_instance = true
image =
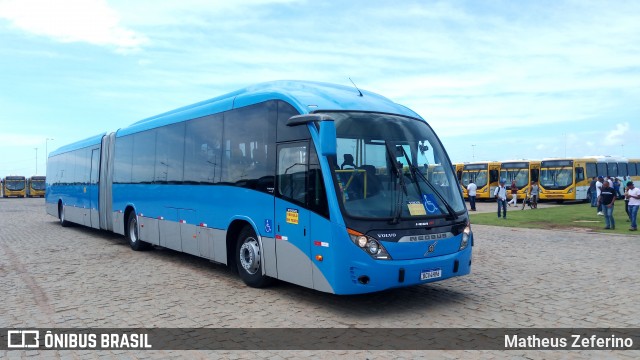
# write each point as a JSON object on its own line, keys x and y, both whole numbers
{"x": 78, "y": 277}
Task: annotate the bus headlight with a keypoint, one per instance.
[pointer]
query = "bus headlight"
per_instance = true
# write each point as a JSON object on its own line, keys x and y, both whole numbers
{"x": 466, "y": 236}
{"x": 570, "y": 191}
{"x": 369, "y": 245}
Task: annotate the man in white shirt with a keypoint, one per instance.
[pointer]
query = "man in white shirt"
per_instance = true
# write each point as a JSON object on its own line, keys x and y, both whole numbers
{"x": 501, "y": 196}
{"x": 598, "y": 191}
{"x": 471, "y": 190}
{"x": 633, "y": 194}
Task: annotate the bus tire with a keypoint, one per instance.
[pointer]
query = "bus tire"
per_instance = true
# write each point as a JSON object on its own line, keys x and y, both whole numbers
{"x": 61, "y": 216}
{"x": 249, "y": 259}
{"x": 131, "y": 234}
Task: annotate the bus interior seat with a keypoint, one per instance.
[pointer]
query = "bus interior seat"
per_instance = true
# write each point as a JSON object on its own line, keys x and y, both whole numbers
{"x": 348, "y": 161}
{"x": 374, "y": 185}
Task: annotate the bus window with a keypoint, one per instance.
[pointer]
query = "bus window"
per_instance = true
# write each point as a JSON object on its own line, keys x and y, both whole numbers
{"x": 591, "y": 170}
{"x": 292, "y": 168}
{"x": 579, "y": 174}
{"x": 494, "y": 175}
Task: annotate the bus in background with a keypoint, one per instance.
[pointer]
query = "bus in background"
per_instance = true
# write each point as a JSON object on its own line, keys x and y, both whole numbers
{"x": 315, "y": 184}
{"x": 611, "y": 166}
{"x": 566, "y": 179}
{"x": 524, "y": 172}
{"x": 14, "y": 186}
{"x": 459, "y": 167}
{"x": 36, "y": 186}
{"x": 486, "y": 176}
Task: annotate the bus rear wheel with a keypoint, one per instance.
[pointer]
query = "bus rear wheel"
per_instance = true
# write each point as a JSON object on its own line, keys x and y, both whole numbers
{"x": 62, "y": 217}
{"x": 131, "y": 233}
{"x": 249, "y": 259}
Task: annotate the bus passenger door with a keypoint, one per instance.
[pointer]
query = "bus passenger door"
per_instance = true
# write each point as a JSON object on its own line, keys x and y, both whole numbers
{"x": 93, "y": 189}
{"x": 291, "y": 216}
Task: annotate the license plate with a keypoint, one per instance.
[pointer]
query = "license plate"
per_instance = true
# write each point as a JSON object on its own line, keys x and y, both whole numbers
{"x": 430, "y": 274}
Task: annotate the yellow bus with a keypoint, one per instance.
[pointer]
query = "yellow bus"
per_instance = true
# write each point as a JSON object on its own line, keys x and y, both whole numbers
{"x": 524, "y": 172}
{"x": 14, "y": 186}
{"x": 485, "y": 174}
{"x": 566, "y": 179}
{"x": 36, "y": 186}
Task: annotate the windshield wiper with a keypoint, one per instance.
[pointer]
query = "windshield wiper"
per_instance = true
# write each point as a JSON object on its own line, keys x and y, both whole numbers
{"x": 415, "y": 171}
{"x": 400, "y": 175}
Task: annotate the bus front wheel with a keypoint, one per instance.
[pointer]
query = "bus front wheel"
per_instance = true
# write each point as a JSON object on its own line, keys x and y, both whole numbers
{"x": 249, "y": 259}
{"x": 131, "y": 233}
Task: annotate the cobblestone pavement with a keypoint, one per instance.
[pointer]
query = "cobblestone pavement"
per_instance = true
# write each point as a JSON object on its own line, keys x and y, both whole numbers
{"x": 79, "y": 277}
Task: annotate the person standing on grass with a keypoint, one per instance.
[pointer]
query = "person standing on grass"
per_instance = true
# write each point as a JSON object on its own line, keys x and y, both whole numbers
{"x": 514, "y": 194}
{"x": 626, "y": 198}
{"x": 501, "y": 197}
{"x": 606, "y": 200}
{"x": 593, "y": 194}
{"x": 598, "y": 190}
{"x": 633, "y": 194}
{"x": 535, "y": 192}
{"x": 471, "y": 190}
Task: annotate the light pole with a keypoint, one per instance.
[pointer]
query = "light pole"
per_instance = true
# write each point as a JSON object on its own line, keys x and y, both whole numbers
{"x": 46, "y": 153}
{"x": 473, "y": 151}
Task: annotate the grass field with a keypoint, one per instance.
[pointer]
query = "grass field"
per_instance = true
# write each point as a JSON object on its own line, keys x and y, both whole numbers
{"x": 579, "y": 217}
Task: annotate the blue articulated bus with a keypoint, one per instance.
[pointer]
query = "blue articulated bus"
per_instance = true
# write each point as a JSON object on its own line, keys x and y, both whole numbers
{"x": 319, "y": 185}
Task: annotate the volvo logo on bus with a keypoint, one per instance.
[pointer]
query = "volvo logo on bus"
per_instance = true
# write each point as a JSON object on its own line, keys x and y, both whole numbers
{"x": 386, "y": 236}
{"x": 431, "y": 249}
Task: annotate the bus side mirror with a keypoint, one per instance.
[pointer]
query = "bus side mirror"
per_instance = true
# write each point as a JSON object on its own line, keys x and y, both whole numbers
{"x": 328, "y": 143}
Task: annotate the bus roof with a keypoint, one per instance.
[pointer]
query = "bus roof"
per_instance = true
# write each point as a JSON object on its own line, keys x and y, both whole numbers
{"x": 305, "y": 96}
{"x": 94, "y": 140}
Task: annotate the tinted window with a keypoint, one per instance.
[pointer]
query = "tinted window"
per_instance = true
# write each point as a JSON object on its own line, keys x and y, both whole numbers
{"x": 122, "y": 159}
{"x": 316, "y": 196}
{"x": 613, "y": 169}
{"x": 203, "y": 149}
{"x": 288, "y": 133}
{"x": 591, "y": 170}
{"x": 292, "y": 172}
{"x": 249, "y": 146}
{"x": 144, "y": 153}
{"x": 170, "y": 153}
{"x": 622, "y": 169}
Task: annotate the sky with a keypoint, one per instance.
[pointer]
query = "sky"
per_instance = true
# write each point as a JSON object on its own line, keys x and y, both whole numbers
{"x": 496, "y": 80}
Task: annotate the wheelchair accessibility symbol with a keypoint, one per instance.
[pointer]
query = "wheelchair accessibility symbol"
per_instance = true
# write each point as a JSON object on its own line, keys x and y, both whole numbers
{"x": 267, "y": 226}
{"x": 430, "y": 204}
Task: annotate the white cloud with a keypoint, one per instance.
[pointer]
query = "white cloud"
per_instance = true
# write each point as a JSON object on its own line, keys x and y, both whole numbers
{"x": 615, "y": 136}
{"x": 91, "y": 21}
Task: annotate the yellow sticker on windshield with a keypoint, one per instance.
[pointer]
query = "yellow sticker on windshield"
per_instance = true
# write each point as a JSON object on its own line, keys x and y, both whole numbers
{"x": 416, "y": 208}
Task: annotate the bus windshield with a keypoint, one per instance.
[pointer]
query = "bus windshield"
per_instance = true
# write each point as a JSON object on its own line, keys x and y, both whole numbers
{"x": 38, "y": 184}
{"x": 391, "y": 167}
{"x": 521, "y": 176}
{"x": 478, "y": 175}
{"x": 14, "y": 184}
{"x": 556, "y": 178}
